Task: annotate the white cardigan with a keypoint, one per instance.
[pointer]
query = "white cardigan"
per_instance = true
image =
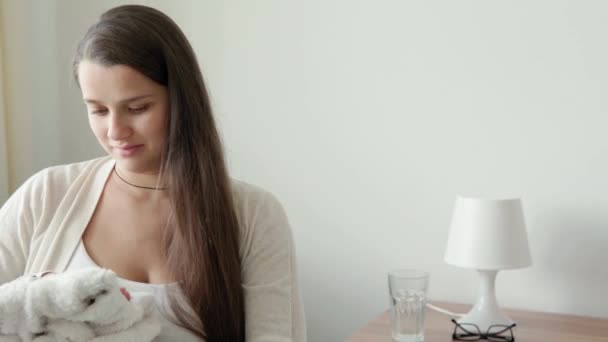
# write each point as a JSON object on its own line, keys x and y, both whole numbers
{"x": 42, "y": 223}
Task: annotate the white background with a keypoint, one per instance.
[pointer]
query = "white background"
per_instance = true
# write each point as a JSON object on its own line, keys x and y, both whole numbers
{"x": 367, "y": 119}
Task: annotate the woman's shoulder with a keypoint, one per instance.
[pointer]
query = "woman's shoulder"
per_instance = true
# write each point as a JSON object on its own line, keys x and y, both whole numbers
{"x": 241, "y": 188}
{"x": 250, "y": 197}
{"x": 73, "y": 170}
{"x": 256, "y": 207}
{"x": 53, "y": 179}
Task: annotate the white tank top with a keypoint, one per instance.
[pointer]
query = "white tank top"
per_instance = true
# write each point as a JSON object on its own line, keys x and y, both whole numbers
{"x": 169, "y": 331}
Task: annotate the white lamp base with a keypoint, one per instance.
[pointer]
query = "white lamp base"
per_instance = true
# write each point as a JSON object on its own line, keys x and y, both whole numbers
{"x": 486, "y": 312}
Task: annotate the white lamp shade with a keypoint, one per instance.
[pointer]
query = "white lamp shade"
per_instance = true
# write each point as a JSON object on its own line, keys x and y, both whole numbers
{"x": 488, "y": 235}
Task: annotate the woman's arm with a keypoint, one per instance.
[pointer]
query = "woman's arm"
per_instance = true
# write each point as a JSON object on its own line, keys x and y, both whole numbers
{"x": 16, "y": 228}
{"x": 273, "y": 304}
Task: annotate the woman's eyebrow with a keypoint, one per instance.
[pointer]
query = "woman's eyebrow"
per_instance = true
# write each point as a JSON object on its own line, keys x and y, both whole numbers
{"x": 121, "y": 101}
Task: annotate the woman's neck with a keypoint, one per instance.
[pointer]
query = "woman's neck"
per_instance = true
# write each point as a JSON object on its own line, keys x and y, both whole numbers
{"x": 142, "y": 181}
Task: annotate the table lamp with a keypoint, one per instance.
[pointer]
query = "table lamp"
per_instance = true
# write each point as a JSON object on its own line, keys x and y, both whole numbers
{"x": 487, "y": 235}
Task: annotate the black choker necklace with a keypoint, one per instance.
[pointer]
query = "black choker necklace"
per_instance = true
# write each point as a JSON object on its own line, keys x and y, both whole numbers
{"x": 137, "y": 186}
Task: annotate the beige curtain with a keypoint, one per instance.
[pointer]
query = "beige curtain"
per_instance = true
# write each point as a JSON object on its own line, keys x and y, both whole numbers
{"x": 4, "y": 189}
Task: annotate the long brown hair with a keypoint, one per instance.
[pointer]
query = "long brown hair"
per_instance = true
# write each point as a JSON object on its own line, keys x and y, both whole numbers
{"x": 202, "y": 244}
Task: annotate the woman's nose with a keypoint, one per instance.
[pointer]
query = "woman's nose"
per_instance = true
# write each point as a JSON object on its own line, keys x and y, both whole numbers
{"x": 118, "y": 127}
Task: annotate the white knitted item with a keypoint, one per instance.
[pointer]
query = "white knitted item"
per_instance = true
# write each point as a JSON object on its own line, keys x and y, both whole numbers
{"x": 78, "y": 305}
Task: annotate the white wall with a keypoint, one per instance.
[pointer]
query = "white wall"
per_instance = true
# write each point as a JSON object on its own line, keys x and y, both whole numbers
{"x": 367, "y": 119}
{"x": 3, "y": 140}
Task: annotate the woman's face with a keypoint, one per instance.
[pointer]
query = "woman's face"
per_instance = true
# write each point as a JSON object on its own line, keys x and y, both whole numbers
{"x": 127, "y": 113}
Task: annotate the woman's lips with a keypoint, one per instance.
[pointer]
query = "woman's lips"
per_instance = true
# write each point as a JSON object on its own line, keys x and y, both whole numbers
{"x": 128, "y": 150}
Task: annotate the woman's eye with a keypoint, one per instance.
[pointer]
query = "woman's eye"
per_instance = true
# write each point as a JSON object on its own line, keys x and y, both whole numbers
{"x": 139, "y": 109}
{"x": 98, "y": 111}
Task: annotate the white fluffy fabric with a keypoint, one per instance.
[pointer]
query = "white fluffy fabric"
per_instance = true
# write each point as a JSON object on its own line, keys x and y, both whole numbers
{"x": 74, "y": 306}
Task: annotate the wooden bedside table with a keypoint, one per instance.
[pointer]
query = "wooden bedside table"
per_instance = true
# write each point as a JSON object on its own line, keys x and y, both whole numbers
{"x": 531, "y": 327}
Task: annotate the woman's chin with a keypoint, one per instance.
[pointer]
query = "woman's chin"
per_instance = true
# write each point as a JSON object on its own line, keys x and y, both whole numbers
{"x": 136, "y": 166}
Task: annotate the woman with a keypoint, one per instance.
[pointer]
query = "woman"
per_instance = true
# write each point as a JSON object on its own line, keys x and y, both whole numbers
{"x": 160, "y": 210}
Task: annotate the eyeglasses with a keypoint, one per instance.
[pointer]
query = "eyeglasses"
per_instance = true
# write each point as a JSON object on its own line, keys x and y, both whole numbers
{"x": 471, "y": 332}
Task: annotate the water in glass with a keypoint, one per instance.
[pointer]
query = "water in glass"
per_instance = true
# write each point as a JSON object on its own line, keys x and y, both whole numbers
{"x": 407, "y": 310}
